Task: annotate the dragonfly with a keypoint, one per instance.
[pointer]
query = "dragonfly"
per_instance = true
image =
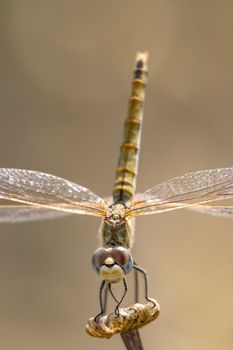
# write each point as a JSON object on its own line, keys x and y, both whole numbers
{"x": 44, "y": 196}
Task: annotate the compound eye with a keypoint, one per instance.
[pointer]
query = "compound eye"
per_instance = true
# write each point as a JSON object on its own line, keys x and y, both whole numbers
{"x": 98, "y": 258}
{"x": 123, "y": 257}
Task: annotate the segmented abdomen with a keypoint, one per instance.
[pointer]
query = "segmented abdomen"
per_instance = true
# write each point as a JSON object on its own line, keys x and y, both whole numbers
{"x": 126, "y": 172}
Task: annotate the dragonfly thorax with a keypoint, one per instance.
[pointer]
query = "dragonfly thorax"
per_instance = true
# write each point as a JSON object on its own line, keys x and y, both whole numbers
{"x": 115, "y": 213}
{"x": 116, "y": 228}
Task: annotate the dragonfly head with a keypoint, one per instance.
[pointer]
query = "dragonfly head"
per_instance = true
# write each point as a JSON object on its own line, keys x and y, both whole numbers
{"x": 112, "y": 263}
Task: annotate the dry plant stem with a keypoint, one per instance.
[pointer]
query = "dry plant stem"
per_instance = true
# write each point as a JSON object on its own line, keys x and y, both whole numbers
{"x": 132, "y": 340}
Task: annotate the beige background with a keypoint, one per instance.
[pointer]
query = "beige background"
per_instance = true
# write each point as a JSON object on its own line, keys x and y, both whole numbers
{"x": 65, "y": 71}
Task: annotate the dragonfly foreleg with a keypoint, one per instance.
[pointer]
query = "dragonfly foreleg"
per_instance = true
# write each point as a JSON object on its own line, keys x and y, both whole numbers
{"x": 136, "y": 288}
{"x": 122, "y": 298}
{"x": 103, "y": 300}
{"x": 111, "y": 292}
{"x": 143, "y": 272}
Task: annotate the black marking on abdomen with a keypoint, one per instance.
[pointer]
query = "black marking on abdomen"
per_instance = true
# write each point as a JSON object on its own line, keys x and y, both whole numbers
{"x": 138, "y": 74}
{"x": 139, "y": 64}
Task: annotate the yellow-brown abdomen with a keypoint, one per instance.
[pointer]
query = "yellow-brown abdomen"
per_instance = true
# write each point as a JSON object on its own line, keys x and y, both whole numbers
{"x": 129, "y": 153}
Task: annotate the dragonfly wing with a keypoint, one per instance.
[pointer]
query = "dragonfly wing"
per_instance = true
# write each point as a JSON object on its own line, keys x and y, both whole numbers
{"x": 185, "y": 191}
{"x": 22, "y": 213}
{"x": 48, "y": 191}
{"x": 220, "y": 210}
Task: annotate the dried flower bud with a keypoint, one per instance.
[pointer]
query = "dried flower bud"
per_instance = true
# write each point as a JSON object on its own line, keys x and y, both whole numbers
{"x": 133, "y": 317}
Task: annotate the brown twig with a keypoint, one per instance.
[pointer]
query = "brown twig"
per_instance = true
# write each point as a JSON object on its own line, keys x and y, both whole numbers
{"x": 132, "y": 340}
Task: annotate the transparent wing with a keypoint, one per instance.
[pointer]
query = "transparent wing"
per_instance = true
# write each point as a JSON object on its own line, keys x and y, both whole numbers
{"x": 48, "y": 191}
{"x": 22, "y": 213}
{"x": 220, "y": 210}
{"x": 183, "y": 191}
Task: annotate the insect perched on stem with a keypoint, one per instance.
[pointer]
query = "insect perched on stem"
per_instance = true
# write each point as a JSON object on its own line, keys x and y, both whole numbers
{"x": 43, "y": 196}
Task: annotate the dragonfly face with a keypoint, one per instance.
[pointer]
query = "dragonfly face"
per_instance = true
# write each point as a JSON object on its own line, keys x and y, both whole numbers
{"x": 112, "y": 263}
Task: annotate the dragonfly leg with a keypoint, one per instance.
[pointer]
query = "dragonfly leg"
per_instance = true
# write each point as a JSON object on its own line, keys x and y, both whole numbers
{"x": 120, "y": 301}
{"x": 143, "y": 272}
{"x": 103, "y": 301}
{"x": 136, "y": 285}
{"x": 111, "y": 292}
{"x": 105, "y": 298}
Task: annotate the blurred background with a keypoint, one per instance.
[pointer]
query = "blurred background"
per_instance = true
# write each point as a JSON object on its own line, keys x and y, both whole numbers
{"x": 66, "y": 69}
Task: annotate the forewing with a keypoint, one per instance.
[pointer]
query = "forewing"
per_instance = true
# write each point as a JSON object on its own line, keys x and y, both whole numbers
{"x": 183, "y": 191}
{"x": 48, "y": 191}
{"x": 23, "y": 213}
